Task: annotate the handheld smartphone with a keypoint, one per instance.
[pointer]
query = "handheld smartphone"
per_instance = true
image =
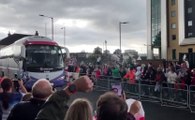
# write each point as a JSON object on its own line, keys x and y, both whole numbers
{"x": 117, "y": 88}
{"x": 16, "y": 76}
{"x": 16, "y": 84}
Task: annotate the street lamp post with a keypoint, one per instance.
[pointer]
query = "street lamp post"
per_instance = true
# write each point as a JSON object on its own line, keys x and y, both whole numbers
{"x": 106, "y": 45}
{"x": 64, "y": 28}
{"x": 52, "y": 25}
{"x": 120, "y": 23}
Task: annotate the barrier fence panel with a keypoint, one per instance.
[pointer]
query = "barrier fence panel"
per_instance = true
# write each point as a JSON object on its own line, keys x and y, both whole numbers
{"x": 150, "y": 91}
{"x": 174, "y": 95}
{"x": 192, "y": 98}
{"x": 104, "y": 82}
{"x": 132, "y": 90}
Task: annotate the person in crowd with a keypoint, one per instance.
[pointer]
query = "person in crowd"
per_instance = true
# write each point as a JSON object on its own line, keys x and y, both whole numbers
{"x": 2, "y": 76}
{"x": 109, "y": 73}
{"x": 186, "y": 63}
{"x": 111, "y": 107}
{"x": 192, "y": 88}
{"x": 159, "y": 79}
{"x": 105, "y": 70}
{"x": 90, "y": 70}
{"x": 193, "y": 77}
{"x": 138, "y": 73}
{"x": 83, "y": 69}
{"x": 27, "y": 110}
{"x": 9, "y": 97}
{"x": 171, "y": 80}
{"x": 115, "y": 73}
{"x": 150, "y": 72}
{"x": 56, "y": 105}
{"x": 177, "y": 66}
{"x": 97, "y": 72}
{"x": 122, "y": 71}
{"x": 171, "y": 76}
{"x": 184, "y": 74}
{"x": 75, "y": 74}
{"x": 134, "y": 106}
{"x": 130, "y": 75}
{"x": 144, "y": 70}
{"x": 77, "y": 68}
{"x": 80, "y": 109}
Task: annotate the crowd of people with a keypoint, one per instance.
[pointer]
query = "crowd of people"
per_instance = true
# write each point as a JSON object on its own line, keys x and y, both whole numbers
{"x": 166, "y": 72}
{"x": 43, "y": 103}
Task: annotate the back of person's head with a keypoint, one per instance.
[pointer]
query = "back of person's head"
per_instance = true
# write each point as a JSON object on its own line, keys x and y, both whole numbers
{"x": 42, "y": 89}
{"x": 80, "y": 109}
{"x": 6, "y": 85}
{"x": 111, "y": 107}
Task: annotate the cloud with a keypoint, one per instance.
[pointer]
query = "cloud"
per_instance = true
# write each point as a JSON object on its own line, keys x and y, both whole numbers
{"x": 88, "y": 22}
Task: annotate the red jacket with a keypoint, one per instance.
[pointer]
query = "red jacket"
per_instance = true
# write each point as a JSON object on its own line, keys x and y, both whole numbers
{"x": 131, "y": 76}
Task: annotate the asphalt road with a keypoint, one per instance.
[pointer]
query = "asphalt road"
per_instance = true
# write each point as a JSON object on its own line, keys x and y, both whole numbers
{"x": 153, "y": 111}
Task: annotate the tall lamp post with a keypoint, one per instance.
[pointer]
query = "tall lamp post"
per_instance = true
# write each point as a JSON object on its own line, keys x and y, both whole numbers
{"x": 106, "y": 45}
{"x": 64, "y": 28}
{"x": 52, "y": 25}
{"x": 120, "y": 23}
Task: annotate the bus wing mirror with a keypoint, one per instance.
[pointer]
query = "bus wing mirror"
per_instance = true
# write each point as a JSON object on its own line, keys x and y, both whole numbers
{"x": 19, "y": 52}
{"x": 22, "y": 54}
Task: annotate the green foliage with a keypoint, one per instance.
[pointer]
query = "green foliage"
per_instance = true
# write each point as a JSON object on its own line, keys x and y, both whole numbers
{"x": 157, "y": 41}
{"x": 117, "y": 51}
{"x": 129, "y": 60}
{"x": 97, "y": 51}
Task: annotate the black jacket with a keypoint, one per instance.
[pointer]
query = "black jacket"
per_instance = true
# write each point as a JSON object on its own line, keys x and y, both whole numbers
{"x": 26, "y": 110}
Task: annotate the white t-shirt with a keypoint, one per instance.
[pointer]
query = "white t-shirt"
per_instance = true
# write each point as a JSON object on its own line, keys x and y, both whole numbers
{"x": 171, "y": 77}
{"x": 130, "y": 102}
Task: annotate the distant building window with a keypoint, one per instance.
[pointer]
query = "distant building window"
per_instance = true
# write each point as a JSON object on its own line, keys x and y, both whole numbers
{"x": 174, "y": 54}
{"x": 173, "y": 25}
{"x": 190, "y": 34}
{"x": 190, "y": 50}
{"x": 190, "y": 23}
{"x": 190, "y": 10}
{"x": 173, "y": 2}
{"x": 173, "y": 37}
{"x": 173, "y": 13}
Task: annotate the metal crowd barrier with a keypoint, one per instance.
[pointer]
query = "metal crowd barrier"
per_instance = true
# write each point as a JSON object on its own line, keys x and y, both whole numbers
{"x": 103, "y": 83}
{"x": 132, "y": 90}
{"x": 174, "y": 95}
{"x": 192, "y": 98}
{"x": 149, "y": 91}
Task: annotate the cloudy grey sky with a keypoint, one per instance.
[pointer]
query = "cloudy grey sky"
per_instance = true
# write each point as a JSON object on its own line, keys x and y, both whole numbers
{"x": 88, "y": 23}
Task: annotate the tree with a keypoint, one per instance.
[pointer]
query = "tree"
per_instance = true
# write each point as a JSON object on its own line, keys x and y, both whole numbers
{"x": 106, "y": 52}
{"x": 97, "y": 51}
{"x": 117, "y": 52}
{"x": 157, "y": 41}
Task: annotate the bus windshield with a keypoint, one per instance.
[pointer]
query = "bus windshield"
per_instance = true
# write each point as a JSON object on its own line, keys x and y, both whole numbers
{"x": 43, "y": 58}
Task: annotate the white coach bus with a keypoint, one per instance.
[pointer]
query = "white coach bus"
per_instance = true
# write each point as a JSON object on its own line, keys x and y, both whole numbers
{"x": 32, "y": 58}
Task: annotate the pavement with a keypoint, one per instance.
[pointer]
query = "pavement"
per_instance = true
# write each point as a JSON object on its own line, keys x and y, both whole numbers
{"x": 153, "y": 111}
